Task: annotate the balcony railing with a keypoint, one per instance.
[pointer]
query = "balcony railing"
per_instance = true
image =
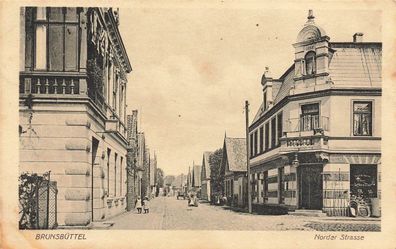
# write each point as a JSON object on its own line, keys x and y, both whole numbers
{"x": 307, "y": 123}
{"x": 51, "y": 83}
{"x": 66, "y": 84}
{"x": 306, "y": 133}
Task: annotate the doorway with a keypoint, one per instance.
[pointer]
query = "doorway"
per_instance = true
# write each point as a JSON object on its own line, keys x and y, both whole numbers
{"x": 310, "y": 187}
{"x": 95, "y": 144}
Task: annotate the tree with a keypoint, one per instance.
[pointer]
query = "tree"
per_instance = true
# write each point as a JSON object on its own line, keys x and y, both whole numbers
{"x": 216, "y": 171}
{"x": 160, "y": 178}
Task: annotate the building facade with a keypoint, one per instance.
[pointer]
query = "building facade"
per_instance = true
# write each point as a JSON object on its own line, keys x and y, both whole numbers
{"x": 205, "y": 177}
{"x": 72, "y": 95}
{"x": 315, "y": 142}
{"x": 234, "y": 163}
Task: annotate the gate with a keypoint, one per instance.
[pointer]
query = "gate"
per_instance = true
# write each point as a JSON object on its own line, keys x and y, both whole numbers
{"x": 47, "y": 198}
{"x": 38, "y": 202}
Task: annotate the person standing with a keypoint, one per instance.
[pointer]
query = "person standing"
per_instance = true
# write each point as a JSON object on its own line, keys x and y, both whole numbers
{"x": 146, "y": 205}
{"x": 138, "y": 205}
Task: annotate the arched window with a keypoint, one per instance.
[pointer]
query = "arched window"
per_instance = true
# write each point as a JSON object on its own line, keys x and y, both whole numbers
{"x": 310, "y": 63}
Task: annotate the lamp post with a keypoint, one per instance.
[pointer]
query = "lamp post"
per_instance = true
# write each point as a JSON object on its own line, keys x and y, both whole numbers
{"x": 247, "y": 157}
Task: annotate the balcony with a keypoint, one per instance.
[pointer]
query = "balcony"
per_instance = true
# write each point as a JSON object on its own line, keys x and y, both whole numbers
{"x": 307, "y": 125}
{"x": 46, "y": 84}
{"x": 53, "y": 84}
{"x": 59, "y": 85}
{"x": 305, "y": 133}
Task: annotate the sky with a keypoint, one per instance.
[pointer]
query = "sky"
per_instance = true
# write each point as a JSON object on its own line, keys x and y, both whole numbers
{"x": 193, "y": 69}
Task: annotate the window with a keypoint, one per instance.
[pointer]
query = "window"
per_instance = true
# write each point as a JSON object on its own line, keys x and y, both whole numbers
{"x": 121, "y": 166}
{"x": 108, "y": 171}
{"x": 266, "y": 136}
{"x": 255, "y": 143}
{"x": 115, "y": 174}
{"x": 362, "y": 118}
{"x": 363, "y": 180}
{"x": 265, "y": 101}
{"x": 309, "y": 117}
{"x": 56, "y": 39}
{"x": 261, "y": 139}
{"x": 273, "y": 132}
{"x": 280, "y": 127}
{"x": 251, "y": 144}
{"x": 310, "y": 63}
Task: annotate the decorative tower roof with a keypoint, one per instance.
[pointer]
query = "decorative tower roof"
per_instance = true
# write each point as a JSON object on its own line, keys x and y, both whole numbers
{"x": 311, "y": 31}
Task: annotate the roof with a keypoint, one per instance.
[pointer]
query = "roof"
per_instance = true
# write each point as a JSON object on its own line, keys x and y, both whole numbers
{"x": 351, "y": 64}
{"x": 356, "y": 64}
{"x": 235, "y": 149}
{"x": 205, "y": 171}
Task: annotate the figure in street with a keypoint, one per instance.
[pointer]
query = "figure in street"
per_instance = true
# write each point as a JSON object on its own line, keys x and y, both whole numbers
{"x": 138, "y": 205}
{"x": 146, "y": 205}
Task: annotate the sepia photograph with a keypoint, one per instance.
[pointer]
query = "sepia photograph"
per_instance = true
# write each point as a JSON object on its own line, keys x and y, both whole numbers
{"x": 203, "y": 120}
{"x": 308, "y": 157}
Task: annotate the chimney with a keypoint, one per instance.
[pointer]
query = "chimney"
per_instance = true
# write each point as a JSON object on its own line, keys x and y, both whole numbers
{"x": 266, "y": 82}
{"x": 358, "y": 37}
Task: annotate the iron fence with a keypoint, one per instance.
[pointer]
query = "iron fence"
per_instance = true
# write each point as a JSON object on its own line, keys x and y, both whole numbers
{"x": 38, "y": 201}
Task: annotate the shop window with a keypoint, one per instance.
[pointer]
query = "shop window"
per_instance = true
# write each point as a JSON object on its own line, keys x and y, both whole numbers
{"x": 309, "y": 117}
{"x": 56, "y": 39}
{"x": 362, "y": 118}
{"x": 310, "y": 63}
{"x": 281, "y": 186}
{"x": 265, "y": 190}
{"x": 364, "y": 181}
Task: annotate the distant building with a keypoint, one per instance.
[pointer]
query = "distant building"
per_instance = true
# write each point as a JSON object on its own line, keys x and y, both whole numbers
{"x": 153, "y": 174}
{"x": 146, "y": 189}
{"x": 133, "y": 181}
{"x": 315, "y": 142}
{"x": 72, "y": 103}
{"x": 189, "y": 179}
{"x": 196, "y": 176}
{"x": 180, "y": 181}
{"x": 141, "y": 161}
{"x": 205, "y": 177}
{"x": 234, "y": 163}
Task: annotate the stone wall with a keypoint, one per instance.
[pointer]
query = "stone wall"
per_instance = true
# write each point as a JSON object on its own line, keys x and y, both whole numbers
{"x": 59, "y": 139}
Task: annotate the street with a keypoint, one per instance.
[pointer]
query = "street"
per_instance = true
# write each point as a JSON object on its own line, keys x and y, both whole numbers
{"x": 168, "y": 213}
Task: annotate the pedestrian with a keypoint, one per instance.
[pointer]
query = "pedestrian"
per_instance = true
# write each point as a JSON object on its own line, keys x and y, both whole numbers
{"x": 146, "y": 205}
{"x": 138, "y": 205}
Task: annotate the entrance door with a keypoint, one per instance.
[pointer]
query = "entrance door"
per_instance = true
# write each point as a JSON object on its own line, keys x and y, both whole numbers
{"x": 310, "y": 186}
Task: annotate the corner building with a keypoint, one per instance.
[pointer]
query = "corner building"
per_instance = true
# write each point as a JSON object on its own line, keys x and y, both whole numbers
{"x": 72, "y": 103}
{"x": 315, "y": 142}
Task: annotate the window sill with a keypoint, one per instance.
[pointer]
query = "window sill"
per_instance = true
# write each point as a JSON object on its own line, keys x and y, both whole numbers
{"x": 310, "y": 76}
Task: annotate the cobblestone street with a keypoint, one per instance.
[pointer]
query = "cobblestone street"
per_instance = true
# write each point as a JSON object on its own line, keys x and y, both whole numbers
{"x": 168, "y": 213}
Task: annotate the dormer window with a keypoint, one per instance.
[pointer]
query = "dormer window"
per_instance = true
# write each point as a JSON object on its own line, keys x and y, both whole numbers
{"x": 310, "y": 63}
